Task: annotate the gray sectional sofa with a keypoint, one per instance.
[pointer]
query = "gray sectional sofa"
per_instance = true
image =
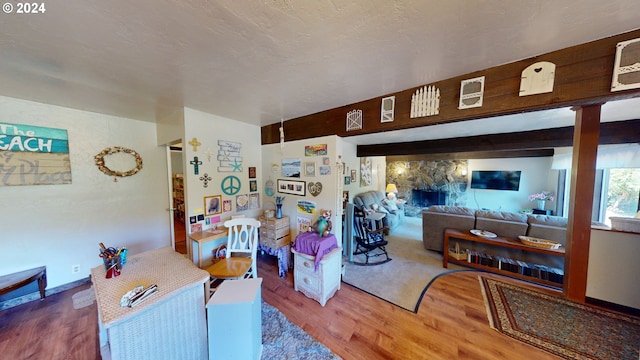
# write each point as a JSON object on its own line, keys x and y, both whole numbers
{"x": 377, "y": 201}
{"x": 439, "y": 217}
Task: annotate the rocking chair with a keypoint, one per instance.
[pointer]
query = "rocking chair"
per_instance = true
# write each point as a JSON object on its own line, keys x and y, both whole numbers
{"x": 370, "y": 243}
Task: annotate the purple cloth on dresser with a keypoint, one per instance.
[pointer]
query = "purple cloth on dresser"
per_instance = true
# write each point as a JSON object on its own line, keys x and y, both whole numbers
{"x": 311, "y": 244}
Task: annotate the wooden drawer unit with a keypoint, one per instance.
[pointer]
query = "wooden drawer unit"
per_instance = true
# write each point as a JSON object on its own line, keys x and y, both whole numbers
{"x": 274, "y": 233}
{"x": 322, "y": 284}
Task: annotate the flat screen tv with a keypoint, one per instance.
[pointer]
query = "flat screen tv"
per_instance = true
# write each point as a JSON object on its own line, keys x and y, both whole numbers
{"x": 495, "y": 180}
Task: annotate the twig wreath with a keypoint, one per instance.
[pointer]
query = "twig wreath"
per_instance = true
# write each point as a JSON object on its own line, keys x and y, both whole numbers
{"x": 114, "y": 150}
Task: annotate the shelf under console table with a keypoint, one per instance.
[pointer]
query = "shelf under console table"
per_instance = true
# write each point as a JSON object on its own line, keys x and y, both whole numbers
{"x": 517, "y": 268}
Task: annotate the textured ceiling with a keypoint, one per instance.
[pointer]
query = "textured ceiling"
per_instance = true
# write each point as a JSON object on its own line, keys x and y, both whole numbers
{"x": 260, "y": 61}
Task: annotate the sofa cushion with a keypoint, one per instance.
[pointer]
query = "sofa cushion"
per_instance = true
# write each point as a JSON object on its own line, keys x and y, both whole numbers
{"x": 390, "y": 205}
{"x": 502, "y": 223}
{"x": 367, "y": 198}
{"x": 454, "y": 210}
{"x": 373, "y": 198}
{"x": 437, "y": 218}
{"x": 548, "y": 227}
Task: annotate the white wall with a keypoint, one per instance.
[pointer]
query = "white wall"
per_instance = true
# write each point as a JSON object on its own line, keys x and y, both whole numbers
{"x": 61, "y": 225}
{"x": 613, "y": 267}
{"x": 536, "y": 177}
{"x": 331, "y": 193}
{"x": 352, "y": 162}
{"x": 209, "y": 129}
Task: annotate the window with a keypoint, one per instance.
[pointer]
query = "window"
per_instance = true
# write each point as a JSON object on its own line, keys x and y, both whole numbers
{"x": 616, "y": 193}
{"x": 620, "y": 193}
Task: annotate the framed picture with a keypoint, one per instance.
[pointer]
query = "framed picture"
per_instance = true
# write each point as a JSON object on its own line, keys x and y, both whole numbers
{"x": 212, "y": 205}
{"x": 253, "y": 185}
{"x": 353, "y": 176}
{"x": 345, "y": 199}
{"x": 293, "y": 187}
{"x": 291, "y": 167}
{"x": 252, "y": 172}
{"x": 347, "y": 180}
{"x": 309, "y": 169}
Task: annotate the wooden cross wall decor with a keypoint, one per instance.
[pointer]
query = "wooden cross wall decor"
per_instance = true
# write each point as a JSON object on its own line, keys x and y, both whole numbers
{"x": 196, "y": 165}
{"x": 195, "y": 143}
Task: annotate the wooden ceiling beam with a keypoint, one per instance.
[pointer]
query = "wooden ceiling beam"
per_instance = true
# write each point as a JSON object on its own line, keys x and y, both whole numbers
{"x": 619, "y": 132}
{"x": 582, "y": 77}
{"x": 474, "y": 155}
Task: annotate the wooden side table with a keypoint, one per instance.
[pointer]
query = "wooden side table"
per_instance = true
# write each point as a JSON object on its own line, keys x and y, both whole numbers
{"x": 17, "y": 280}
{"x": 201, "y": 238}
{"x": 376, "y": 219}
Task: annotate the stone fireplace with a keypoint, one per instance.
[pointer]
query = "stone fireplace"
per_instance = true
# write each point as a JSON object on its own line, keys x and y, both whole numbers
{"x": 426, "y": 198}
{"x": 423, "y": 183}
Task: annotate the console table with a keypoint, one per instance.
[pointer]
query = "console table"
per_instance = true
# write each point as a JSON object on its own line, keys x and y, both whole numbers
{"x": 170, "y": 324}
{"x": 507, "y": 267}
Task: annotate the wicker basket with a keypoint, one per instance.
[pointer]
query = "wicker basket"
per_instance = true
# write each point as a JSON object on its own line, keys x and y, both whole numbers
{"x": 539, "y": 243}
{"x": 458, "y": 256}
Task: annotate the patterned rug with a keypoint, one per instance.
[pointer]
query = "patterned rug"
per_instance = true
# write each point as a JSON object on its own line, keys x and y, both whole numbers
{"x": 281, "y": 339}
{"x": 564, "y": 328}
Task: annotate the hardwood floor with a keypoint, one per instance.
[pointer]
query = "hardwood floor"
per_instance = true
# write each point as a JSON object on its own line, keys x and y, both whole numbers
{"x": 451, "y": 323}
{"x": 180, "y": 233}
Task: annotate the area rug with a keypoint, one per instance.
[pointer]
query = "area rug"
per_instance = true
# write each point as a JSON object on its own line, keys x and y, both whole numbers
{"x": 567, "y": 329}
{"x": 83, "y": 298}
{"x": 403, "y": 280}
{"x": 281, "y": 339}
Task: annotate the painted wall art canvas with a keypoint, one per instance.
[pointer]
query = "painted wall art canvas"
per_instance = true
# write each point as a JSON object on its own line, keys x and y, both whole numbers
{"x": 315, "y": 150}
{"x": 365, "y": 171}
{"x": 33, "y": 155}
{"x": 291, "y": 167}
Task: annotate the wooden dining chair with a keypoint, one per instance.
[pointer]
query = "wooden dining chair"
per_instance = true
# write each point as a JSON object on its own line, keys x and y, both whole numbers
{"x": 241, "y": 253}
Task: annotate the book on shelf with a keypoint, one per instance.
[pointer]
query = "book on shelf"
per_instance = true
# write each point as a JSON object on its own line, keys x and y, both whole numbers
{"x": 537, "y": 271}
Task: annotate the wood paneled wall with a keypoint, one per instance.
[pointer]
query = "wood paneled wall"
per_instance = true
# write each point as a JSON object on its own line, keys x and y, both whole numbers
{"x": 583, "y": 76}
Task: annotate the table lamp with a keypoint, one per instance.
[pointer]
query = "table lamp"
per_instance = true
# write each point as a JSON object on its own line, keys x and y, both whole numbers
{"x": 391, "y": 191}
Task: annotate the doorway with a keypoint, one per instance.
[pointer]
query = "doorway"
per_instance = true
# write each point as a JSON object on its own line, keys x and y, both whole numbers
{"x": 176, "y": 170}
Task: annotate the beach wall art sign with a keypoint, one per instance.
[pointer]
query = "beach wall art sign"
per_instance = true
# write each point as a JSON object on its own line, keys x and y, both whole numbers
{"x": 33, "y": 155}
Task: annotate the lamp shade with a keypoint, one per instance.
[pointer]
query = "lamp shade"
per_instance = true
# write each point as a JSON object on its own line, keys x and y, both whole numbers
{"x": 391, "y": 188}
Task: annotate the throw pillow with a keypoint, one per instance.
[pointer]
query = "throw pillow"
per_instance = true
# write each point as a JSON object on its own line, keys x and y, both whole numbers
{"x": 390, "y": 205}
{"x": 382, "y": 209}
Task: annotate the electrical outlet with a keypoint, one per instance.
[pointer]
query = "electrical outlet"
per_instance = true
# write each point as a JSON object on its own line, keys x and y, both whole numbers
{"x": 75, "y": 269}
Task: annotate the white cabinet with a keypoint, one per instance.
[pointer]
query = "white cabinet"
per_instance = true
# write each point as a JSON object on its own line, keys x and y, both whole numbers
{"x": 320, "y": 284}
{"x": 234, "y": 318}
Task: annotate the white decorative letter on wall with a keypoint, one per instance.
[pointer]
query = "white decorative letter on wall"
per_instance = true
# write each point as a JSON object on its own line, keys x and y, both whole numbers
{"x": 537, "y": 78}
{"x": 471, "y": 93}
{"x": 354, "y": 120}
{"x": 425, "y": 102}
{"x": 626, "y": 70}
